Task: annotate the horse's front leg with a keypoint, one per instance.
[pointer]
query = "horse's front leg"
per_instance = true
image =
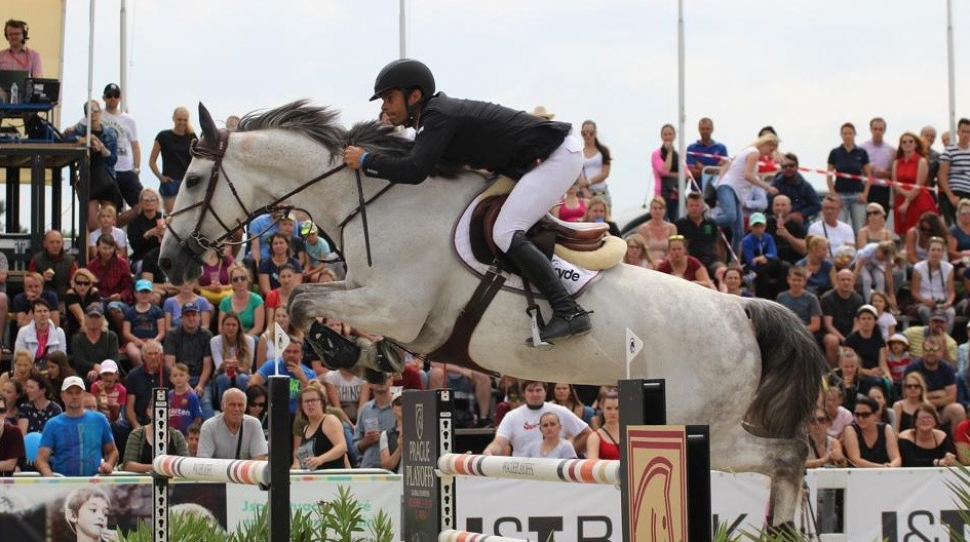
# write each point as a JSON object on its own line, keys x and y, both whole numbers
{"x": 400, "y": 316}
{"x": 301, "y": 315}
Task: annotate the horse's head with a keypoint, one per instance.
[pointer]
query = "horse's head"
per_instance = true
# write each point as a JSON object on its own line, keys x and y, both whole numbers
{"x": 267, "y": 163}
{"x": 231, "y": 180}
{"x": 195, "y": 227}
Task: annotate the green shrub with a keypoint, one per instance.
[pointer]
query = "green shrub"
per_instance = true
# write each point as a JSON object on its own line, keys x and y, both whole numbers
{"x": 340, "y": 520}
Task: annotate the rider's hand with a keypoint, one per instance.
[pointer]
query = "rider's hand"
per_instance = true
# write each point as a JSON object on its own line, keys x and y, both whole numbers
{"x": 352, "y": 156}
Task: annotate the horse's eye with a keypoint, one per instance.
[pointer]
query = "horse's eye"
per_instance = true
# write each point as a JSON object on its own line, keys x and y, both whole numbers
{"x": 192, "y": 180}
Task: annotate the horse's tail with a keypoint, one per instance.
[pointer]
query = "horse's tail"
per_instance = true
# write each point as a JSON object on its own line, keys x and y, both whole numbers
{"x": 791, "y": 372}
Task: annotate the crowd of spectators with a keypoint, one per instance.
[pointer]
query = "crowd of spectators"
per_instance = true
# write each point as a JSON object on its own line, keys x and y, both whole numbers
{"x": 877, "y": 270}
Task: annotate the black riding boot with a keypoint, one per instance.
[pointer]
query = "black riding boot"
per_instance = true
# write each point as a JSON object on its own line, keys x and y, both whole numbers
{"x": 568, "y": 318}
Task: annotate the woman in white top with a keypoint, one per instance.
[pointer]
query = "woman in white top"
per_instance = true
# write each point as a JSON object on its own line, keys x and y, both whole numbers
{"x": 933, "y": 285}
{"x": 40, "y": 335}
{"x": 596, "y": 163}
{"x": 233, "y": 353}
{"x": 735, "y": 183}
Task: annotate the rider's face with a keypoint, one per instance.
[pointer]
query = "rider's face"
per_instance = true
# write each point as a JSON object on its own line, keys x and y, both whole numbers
{"x": 394, "y": 106}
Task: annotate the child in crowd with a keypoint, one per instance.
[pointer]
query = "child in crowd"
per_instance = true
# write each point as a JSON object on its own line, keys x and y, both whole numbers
{"x": 802, "y": 302}
{"x": 552, "y": 445}
{"x": 86, "y": 510}
{"x": 898, "y": 358}
{"x": 886, "y": 321}
{"x": 110, "y": 394}
{"x": 317, "y": 251}
{"x": 192, "y": 438}
{"x": 761, "y": 256}
{"x": 183, "y": 403}
{"x": 874, "y": 263}
{"x": 108, "y": 218}
{"x": 143, "y": 321}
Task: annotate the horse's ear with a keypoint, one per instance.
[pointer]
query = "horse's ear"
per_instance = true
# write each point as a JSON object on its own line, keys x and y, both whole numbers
{"x": 209, "y": 131}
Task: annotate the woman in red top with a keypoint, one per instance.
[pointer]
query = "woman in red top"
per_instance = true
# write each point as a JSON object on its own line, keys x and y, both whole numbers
{"x": 680, "y": 264}
{"x": 910, "y": 170}
{"x": 605, "y": 442}
{"x": 572, "y": 207}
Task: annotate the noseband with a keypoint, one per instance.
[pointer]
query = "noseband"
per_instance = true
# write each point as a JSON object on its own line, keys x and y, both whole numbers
{"x": 197, "y": 244}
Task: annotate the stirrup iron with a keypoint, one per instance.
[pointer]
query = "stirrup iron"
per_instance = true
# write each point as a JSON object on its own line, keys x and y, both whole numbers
{"x": 536, "y": 341}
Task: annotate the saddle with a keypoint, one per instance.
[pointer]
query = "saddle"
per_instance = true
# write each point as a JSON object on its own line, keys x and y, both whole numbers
{"x": 587, "y": 247}
{"x": 587, "y": 244}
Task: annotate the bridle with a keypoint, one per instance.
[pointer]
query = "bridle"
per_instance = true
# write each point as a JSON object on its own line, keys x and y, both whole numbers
{"x": 197, "y": 244}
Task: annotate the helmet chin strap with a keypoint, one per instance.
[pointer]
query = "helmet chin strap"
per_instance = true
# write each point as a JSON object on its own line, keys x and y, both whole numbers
{"x": 410, "y": 109}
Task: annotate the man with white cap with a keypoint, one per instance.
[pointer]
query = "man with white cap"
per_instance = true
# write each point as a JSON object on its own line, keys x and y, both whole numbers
{"x": 77, "y": 442}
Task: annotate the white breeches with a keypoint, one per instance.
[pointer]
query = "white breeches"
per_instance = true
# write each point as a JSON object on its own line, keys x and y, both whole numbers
{"x": 538, "y": 191}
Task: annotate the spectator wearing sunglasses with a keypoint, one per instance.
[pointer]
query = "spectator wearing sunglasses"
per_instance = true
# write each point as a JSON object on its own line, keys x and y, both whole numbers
{"x": 824, "y": 450}
{"x": 805, "y": 203}
{"x": 257, "y": 406}
{"x": 83, "y": 292}
{"x": 941, "y": 387}
{"x": 870, "y": 443}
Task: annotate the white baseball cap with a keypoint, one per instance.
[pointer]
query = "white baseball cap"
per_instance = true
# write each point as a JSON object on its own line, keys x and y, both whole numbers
{"x": 109, "y": 366}
{"x": 72, "y": 381}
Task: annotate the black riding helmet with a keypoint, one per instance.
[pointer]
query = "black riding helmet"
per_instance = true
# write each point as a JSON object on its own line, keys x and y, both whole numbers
{"x": 404, "y": 74}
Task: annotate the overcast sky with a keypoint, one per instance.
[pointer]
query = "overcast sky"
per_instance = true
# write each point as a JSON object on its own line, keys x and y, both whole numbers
{"x": 803, "y": 67}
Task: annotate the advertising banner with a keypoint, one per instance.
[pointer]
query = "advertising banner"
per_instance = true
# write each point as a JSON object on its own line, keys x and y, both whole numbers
{"x": 590, "y": 513}
{"x": 56, "y": 509}
{"x": 901, "y": 505}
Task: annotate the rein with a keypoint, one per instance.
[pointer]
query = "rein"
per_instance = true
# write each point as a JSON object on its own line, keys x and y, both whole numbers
{"x": 197, "y": 244}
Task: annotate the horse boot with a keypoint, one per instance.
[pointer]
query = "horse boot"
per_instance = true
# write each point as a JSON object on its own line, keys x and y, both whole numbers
{"x": 339, "y": 352}
{"x": 568, "y": 318}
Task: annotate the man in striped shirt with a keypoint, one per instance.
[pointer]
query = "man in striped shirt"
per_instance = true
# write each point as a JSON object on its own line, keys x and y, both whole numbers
{"x": 954, "y": 174}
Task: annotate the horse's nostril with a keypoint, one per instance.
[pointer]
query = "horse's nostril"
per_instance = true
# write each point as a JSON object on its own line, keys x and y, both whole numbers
{"x": 165, "y": 263}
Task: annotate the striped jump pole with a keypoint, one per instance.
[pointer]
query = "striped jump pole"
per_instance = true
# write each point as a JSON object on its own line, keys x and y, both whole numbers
{"x": 200, "y": 469}
{"x": 579, "y": 471}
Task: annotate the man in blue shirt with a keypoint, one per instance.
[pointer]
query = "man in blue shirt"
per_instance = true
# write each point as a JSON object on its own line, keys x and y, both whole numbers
{"x": 292, "y": 366}
{"x": 805, "y": 203}
{"x": 704, "y": 145}
{"x": 375, "y": 416}
{"x": 77, "y": 442}
{"x": 260, "y": 230}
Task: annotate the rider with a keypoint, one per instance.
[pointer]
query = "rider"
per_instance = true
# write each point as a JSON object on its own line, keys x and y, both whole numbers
{"x": 538, "y": 153}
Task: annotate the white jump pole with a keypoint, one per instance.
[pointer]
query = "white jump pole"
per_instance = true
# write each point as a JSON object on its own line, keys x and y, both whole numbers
{"x": 200, "y": 469}
{"x": 579, "y": 471}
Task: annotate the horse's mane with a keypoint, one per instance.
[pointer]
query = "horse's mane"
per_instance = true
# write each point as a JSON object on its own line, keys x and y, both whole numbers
{"x": 316, "y": 122}
{"x": 319, "y": 124}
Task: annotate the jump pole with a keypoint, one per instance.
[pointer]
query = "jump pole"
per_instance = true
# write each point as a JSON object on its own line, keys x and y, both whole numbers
{"x": 261, "y": 473}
